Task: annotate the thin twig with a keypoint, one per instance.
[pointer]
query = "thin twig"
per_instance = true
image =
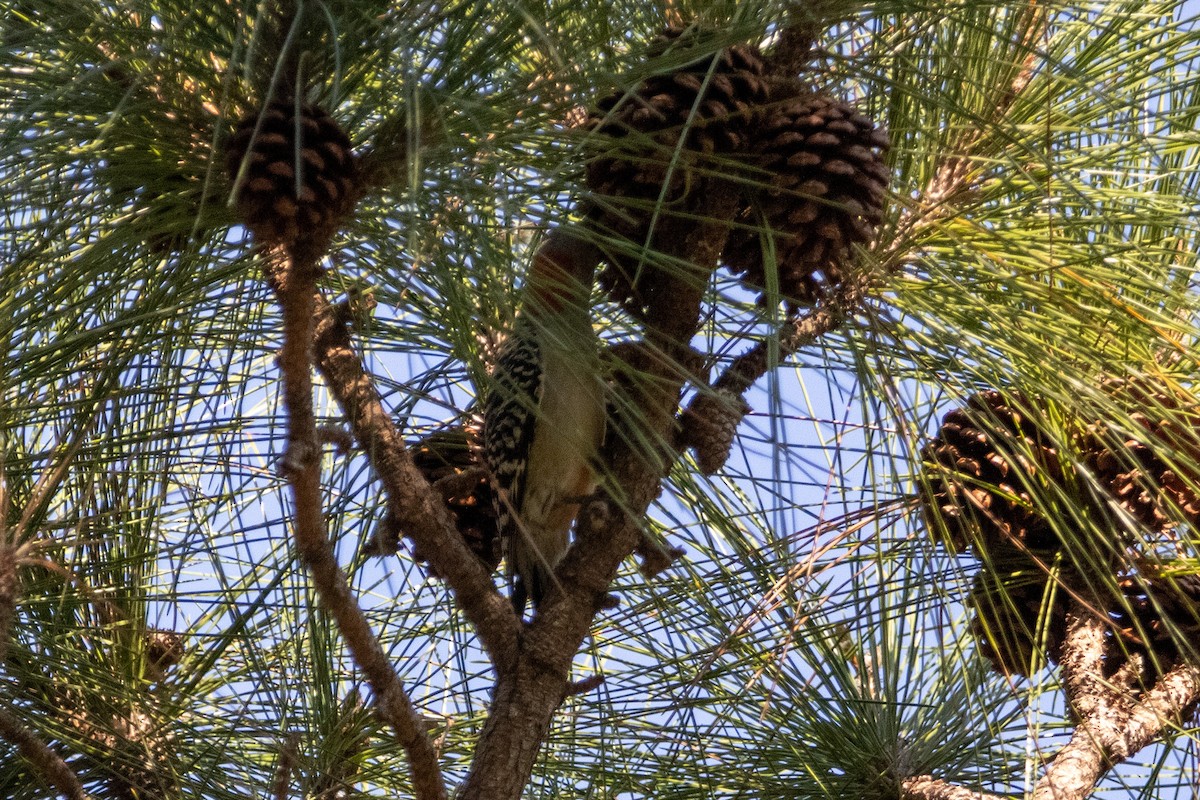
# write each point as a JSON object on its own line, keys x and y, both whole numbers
{"x": 10, "y": 591}
{"x": 288, "y": 756}
{"x": 795, "y": 334}
{"x": 48, "y": 764}
{"x": 588, "y": 684}
{"x": 758, "y": 360}
{"x": 301, "y": 464}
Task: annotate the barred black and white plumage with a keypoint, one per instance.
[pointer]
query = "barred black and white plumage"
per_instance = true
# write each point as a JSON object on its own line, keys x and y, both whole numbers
{"x": 510, "y": 417}
{"x": 544, "y": 416}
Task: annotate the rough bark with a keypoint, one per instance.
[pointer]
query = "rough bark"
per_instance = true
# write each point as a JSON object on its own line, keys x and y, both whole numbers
{"x": 926, "y": 787}
{"x": 48, "y": 764}
{"x": 295, "y": 280}
{"x": 418, "y": 509}
{"x": 607, "y": 532}
{"x": 1114, "y": 721}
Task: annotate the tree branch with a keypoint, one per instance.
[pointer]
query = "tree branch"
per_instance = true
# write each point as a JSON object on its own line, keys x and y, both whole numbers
{"x": 1107, "y": 739}
{"x": 1088, "y": 693}
{"x": 1173, "y": 697}
{"x": 288, "y": 756}
{"x": 926, "y": 787}
{"x": 295, "y": 283}
{"x": 1113, "y": 724}
{"x": 10, "y": 591}
{"x": 723, "y": 402}
{"x": 795, "y": 334}
{"x": 417, "y": 508}
{"x": 48, "y": 764}
{"x": 607, "y": 530}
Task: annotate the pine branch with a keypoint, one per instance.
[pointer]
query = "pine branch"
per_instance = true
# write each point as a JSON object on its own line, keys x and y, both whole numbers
{"x": 284, "y": 767}
{"x": 10, "y": 591}
{"x": 795, "y": 334}
{"x": 48, "y": 764}
{"x": 1113, "y": 725}
{"x": 1088, "y": 693}
{"x": 607, "y": 531}
{"x": 926, "y": 787}
{"x": 295, "y": 283}
{"x": 417, "y": 508}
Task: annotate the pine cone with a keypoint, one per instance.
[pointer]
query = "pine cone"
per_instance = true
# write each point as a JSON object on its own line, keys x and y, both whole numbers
{"x": 164, "y": 649}
{"x": 1019, "y": 617}
{"x": 274, "y": 203}
{"x": 1139, "y": 480}
{"x": 990, "y": 451}
{"x": 710, "y": 425}
{"x": 983, "y": 461}
{"x": 439, "y": 455}
{"x": 657, "y": 145}
{"x": 824, "y": 195}
{"x": 1161, "y": 612}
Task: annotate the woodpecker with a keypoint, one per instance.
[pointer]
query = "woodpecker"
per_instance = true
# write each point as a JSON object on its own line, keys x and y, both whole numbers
{"x": 543, "y": 417}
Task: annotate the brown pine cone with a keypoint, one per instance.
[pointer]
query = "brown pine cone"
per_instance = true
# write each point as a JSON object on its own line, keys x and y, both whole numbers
{"x": 278, "y": 205}
{"x": 440, "y": 455}
{"x": 710, "y": 425}
{"x": 164, "y": 650}
{"x": 1020, "y": 617}
{"x": 981, "y": 466}
{"x": 1156, "y": 493}
{"x": 989, "y": 461}
{"x": 1159, "y": 620}
{"x": 657, "y": 146}
{"x": 822, "y": 194}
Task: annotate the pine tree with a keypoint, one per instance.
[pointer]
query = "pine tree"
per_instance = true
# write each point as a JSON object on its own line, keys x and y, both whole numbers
{"x": 900, "y": 489}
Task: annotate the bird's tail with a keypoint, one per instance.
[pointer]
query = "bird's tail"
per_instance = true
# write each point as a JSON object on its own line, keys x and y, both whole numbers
{"x": 532, "y": 571}
{"x": 530, "y": 588}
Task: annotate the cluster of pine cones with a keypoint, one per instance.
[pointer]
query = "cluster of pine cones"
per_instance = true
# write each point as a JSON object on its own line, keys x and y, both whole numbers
{"x": 808, "y": 170}
{"x": 994, "y": 469}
